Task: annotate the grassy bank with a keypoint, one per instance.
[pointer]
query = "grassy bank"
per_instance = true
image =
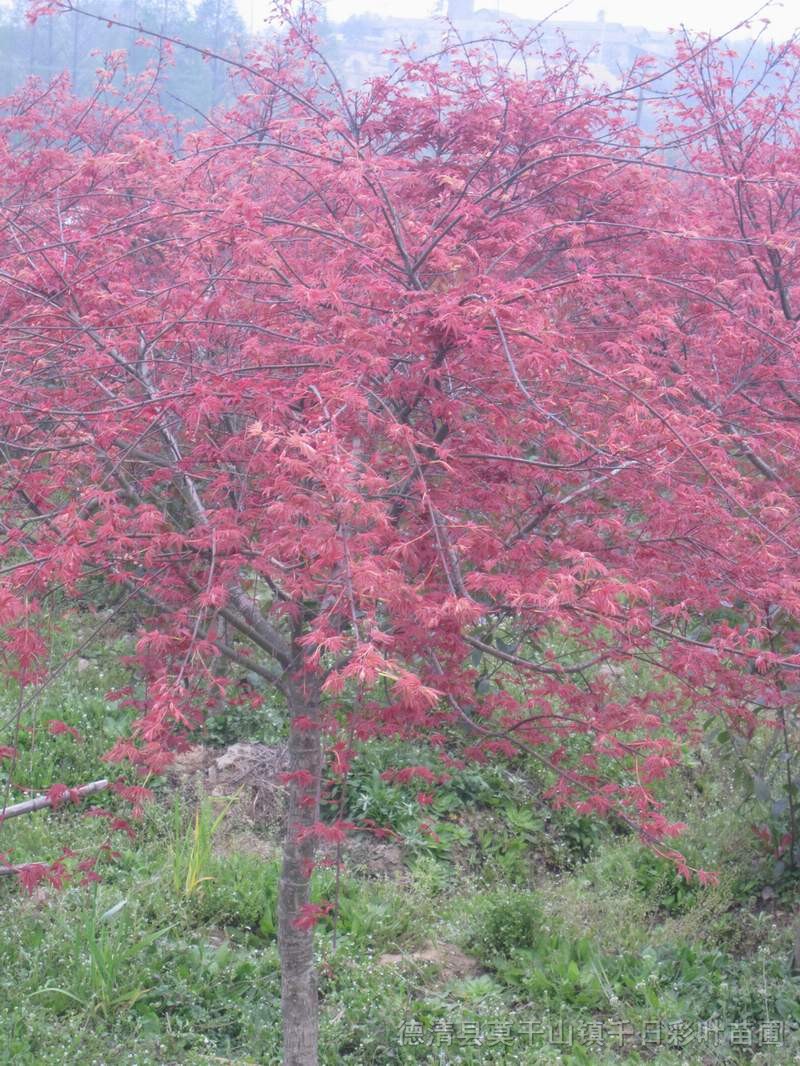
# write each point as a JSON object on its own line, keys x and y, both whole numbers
{"x": 489, "y": 929}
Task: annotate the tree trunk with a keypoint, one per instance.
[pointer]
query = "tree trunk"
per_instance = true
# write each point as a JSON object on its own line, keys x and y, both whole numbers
{"x": 299, "y": 1007}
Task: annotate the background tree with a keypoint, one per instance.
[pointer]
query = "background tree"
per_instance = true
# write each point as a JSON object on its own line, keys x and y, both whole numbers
{"x": 218, "y": 25}
{"x": 74, "y": 44}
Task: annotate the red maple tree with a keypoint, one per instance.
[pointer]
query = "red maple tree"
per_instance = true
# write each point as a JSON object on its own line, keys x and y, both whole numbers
{"x": 389, "y": 385}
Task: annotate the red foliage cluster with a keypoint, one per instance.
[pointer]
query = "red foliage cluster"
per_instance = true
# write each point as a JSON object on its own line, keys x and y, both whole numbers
{"x": 366, "y": 393}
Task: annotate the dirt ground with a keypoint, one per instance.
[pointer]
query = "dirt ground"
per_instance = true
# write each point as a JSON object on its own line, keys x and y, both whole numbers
{"x": 247, "y": 776}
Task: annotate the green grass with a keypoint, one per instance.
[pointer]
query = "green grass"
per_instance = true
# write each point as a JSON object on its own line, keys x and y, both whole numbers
{"x": 571, "y": 930}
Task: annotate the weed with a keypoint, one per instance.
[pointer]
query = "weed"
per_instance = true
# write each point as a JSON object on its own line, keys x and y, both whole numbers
{"x": 104, "y": 949}
{"x": 192, "y": 855}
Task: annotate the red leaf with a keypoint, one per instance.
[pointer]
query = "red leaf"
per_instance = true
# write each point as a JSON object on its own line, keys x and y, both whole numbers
{"x": 57, "y": 794}
{"x": 310, "y": 913}
{"x": 32, "y": 874}
{"x": 56, "y": 727}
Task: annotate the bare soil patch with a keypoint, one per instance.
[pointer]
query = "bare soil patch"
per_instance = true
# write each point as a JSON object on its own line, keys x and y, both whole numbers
{"x": 450, "y": 960}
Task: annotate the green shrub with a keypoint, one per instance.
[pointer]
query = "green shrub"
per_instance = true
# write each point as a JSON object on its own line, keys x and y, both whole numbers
{"x": 508, "y": 922}
{"x": 560, "y": 971}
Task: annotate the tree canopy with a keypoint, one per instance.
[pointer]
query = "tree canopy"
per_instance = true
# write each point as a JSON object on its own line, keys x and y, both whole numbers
{"x": 431, "y": 405}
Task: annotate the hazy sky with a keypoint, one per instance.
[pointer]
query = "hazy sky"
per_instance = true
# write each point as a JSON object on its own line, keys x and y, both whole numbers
{"x": 716, "y": 15}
